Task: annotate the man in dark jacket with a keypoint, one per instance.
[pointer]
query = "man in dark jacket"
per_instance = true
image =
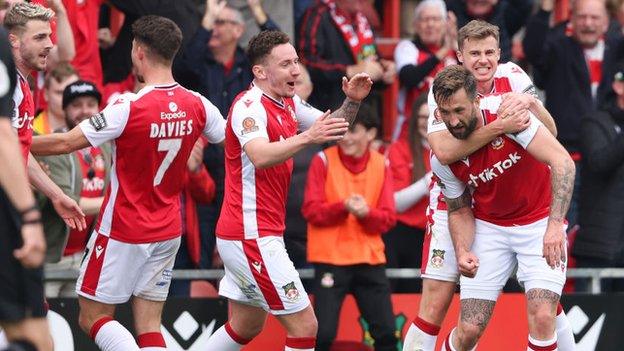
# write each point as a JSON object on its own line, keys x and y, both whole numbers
{"x": 600, "y": 241}
{"x": 508, "y": 15}
{"x": 575, "y": 68}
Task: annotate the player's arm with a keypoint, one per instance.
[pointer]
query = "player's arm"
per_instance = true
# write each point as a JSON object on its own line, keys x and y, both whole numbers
{"x": 65, "y": 206}
{"x": 518, "y": 103}
{"x": 264, "y": 154}
{"x": 461, "y": 220}
{"x": 59, "y": 143}
{"x": 64, "y": 50}
{"x": 547, "y": 149}
{"x": 355, "y": 89}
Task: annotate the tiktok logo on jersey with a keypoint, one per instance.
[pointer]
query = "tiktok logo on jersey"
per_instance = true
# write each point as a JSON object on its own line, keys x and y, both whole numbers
{"x": 21, "y": 121}
{"x": 495, "y": 171}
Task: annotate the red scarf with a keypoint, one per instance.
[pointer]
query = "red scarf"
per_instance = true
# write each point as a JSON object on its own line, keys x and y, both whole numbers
{"x": 361, "y": 41}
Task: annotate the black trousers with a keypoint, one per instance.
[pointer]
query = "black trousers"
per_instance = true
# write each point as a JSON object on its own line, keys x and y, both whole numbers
{"x": 404, "y": 250}
{"x": 21, "y": 294}
{"x": 370, "y": 287}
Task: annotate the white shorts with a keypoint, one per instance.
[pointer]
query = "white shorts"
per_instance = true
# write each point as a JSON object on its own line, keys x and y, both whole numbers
{"x": 112, "y": 271}
{"x": 500, "y": 249}
{"x": 258, "y": 272}
{"x": 439, "y": 261}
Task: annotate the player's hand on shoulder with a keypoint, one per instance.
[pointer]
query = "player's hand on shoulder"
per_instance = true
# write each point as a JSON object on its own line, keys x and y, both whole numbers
{"x": 514, "y": 122}
{"x": 468, "y": 264}
{"x": 326, "y": 129}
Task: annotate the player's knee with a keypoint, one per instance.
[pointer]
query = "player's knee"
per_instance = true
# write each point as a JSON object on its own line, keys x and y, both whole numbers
{"x": 543, "y": 320}
{"x": 468, "y": 334}
{"x": 247, "y": 329}
{"x": 86, "y": 320}
{"x": 307, "y": 327}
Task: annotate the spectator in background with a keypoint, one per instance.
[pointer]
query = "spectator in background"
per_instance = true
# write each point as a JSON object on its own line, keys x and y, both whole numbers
{"x": 215, "y": 65}
{"x": 295, "y": 235}
{"x": 420, "y": 59}
{"x": 53, "y": 117}
{"x": 508, "y": 15}
{"x": 575, "y": 69}
{"x": 409, "y": 162}
{"x": 348, "y": 205}
{"x": 82, "y": 175}
{"x": 599, "y": 240}
{"x": 198, "y": 188}
{"x": 336, "y": 40}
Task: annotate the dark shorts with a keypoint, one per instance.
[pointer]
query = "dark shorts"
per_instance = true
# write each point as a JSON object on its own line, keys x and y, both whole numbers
{"x": 21, "y": 290}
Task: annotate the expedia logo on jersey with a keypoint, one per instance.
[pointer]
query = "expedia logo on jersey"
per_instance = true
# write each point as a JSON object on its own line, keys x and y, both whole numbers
{"x": 495, "y": 171}
{"x": 173, "y": 114}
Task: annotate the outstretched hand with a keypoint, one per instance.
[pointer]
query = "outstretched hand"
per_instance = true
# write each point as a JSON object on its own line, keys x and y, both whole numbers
{"x": 71, "y": 213}
{"x": 358, "y": 87}
{"x": 326, "y": 129}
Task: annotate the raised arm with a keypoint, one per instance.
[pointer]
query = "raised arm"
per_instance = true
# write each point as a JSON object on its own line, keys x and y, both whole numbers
{"x": 65, "y": 48}
{"x": 355, "y": 89}
{"x": 547, "y": 149}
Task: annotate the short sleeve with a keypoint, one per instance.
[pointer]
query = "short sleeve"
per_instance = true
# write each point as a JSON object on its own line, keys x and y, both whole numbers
{"x": 306, "y": 113}
{"x": 520, "y": 81}
{"x": 433, "y": 124}
{"x": 525, "y": 137}
{"x": 249, "y": 122}
{"x": 215, "y": 124}
{"x": 405, "y": 54}
{"x": 452, "y": 187}
{"x": 107, "y": 124}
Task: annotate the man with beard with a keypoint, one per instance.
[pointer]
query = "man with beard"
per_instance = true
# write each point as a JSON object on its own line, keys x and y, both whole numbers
{"x": 518, "y": 188}
{"x": 83, "y": 176}
{"x": 132, "y": 250}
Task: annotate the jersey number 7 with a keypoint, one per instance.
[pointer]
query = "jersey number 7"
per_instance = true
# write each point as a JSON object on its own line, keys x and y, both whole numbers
{"x": 172, "y": 146}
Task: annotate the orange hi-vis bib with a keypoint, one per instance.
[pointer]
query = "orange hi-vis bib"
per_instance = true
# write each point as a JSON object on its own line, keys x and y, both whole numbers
{"x": 349, "y": 242}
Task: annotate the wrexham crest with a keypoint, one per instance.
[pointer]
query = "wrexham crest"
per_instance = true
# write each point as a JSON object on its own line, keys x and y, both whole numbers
{"x": 437, "y": 260}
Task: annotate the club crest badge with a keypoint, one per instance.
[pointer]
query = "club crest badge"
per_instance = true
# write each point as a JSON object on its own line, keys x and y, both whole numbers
{"x": 497, "y": 143}
{"x": 291, "y": 291}
{"x": 437, "y": 260}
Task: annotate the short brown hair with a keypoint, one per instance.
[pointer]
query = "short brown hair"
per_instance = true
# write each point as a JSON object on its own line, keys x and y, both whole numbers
{"x": 59, "y": 73}
{"x": 260, "y": 46}
{"x": 477, "y": 29}
{"x": 452, "y": 79}
{"x": 161, "y": 36}
{"x": 21, "y": 13}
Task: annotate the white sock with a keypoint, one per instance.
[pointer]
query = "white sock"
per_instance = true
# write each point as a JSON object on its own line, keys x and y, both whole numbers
{"x": 300, "y": 344}
{"x": 225, "y": 339}
{"x": 421, "y": 335}
{"x": 4, "y": 343}
{"x": 110, "y": 335}
{"x": 565, "y": 337}
{"x": 550, "y": 345}
{"x": 447, "y": 345}
{"x": 152, "y": 342}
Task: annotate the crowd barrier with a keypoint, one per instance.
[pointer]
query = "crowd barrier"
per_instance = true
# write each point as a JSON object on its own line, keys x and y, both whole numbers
{"x": 596, "y": 319}
{"x": 187, "y": 323}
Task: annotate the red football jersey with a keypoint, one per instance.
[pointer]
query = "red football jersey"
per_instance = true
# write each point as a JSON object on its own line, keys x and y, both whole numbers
{"x": 153, "y": 133}
{"x": 23, "y": 114}
{"x": 509, "y": 186}
{"x": 255, "y": 199}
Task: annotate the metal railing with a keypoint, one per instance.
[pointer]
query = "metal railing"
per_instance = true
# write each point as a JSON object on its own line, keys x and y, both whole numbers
{"x": 594, "y": 274}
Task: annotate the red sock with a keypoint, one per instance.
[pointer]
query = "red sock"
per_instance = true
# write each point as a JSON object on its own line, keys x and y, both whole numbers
{"x": 426, "y": 327}
{"x": 234, "y": 336}
{"x": 300, "y": 343}
{"x": 154, "y": 339}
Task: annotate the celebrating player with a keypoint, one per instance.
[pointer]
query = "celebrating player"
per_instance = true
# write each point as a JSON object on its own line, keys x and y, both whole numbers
{"x": 519, "y": 204}
{"x": 133, "y": 248}
{"x": 261, "y": 138}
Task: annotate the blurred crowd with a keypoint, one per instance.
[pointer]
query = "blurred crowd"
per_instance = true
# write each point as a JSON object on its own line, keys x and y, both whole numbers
{"x": 362, "y": 202}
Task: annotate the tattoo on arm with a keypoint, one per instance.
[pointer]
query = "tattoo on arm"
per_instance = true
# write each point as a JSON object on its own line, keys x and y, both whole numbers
{"x": 464, "y": 200}
{"x": 562, "y": 185}
{"x": 477, "y": 312}
{"x": 348, "y": 110}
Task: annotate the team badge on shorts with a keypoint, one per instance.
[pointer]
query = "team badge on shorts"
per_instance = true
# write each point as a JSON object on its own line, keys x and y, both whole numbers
{"x": 497, "y": 143}
{"x": 327, "y": 281}
{"x": 291, "y": 291}
{"x": 437, "y": 260}
{"x": 249, "y": 126}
